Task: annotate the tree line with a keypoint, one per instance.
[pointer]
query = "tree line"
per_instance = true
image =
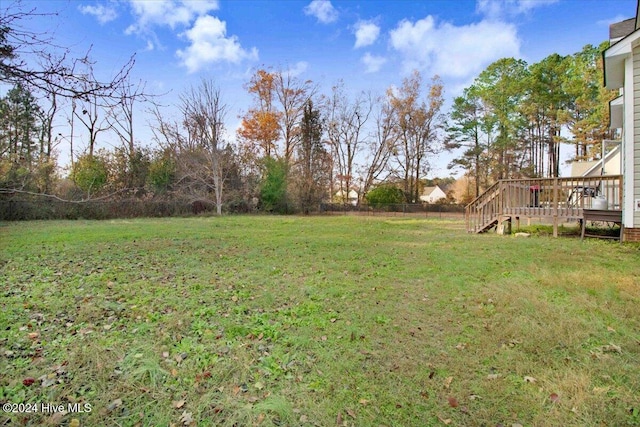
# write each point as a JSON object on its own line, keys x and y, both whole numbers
{"x": 512, "y": 120}
{"x": 295, "y": 147}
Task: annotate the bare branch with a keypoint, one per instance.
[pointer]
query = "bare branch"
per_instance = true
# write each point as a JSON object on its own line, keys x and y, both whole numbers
{"x": 32, "y": 59}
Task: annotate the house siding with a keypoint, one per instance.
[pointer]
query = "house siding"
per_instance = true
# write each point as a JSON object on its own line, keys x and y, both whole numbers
{"x": 635, "y": 174}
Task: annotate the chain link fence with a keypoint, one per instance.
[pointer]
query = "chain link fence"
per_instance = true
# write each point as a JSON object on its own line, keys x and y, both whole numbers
{"x": 45, "y": 208}
{"x": 453, "y": 211}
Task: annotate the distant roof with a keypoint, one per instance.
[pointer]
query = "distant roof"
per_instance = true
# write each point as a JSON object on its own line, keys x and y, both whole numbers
{"x": 428, "y": 190}
{"x": 622, "y": 29}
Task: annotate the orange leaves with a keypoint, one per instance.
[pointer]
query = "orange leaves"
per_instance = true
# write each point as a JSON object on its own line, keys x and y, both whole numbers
{"x": 263, "y": 85}
{"x": 261, "y": 128}
{"x": 260, "y": 125}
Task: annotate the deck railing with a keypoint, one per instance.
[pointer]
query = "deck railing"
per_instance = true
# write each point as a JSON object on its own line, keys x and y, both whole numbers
{"x": 550, "y": 198}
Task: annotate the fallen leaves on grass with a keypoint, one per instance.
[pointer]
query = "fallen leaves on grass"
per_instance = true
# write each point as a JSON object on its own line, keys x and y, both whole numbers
{"x": 554, "y": 397}
{"x": 203, "y": 376}
{"x": 48, "y": 380}
{"x": 511, "y": 344}
{"x": 56, "y": 419}
{"x": 528, "y": 379}
{"x": 453, "y": 402}
{"x": 443, "y": 420}
{"x": 114, "y": 405}
{"x": 611, "y": 348}
{"x": 447, "y": 382}
{"x": 177, "y": 404}
{"x": 186, "y": 418}
{"x": 180, "y": 357}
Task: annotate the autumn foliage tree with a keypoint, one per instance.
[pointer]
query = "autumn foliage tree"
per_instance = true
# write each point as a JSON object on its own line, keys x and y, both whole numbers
{"x": 270, "y": 127}
{"x": 260, "y": 127}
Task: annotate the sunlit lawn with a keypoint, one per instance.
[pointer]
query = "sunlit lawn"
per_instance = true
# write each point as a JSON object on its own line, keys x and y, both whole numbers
{"x": 315, "y": 321}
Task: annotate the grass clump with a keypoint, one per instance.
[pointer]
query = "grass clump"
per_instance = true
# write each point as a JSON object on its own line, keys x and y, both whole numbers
{"x": 315, "y": 321}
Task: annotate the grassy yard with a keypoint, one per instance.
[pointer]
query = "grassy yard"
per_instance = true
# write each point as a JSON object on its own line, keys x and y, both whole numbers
{"x": 321, "y": 321}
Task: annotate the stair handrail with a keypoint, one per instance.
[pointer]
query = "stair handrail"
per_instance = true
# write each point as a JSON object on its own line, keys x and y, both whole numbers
{"x": 480, "y": 201}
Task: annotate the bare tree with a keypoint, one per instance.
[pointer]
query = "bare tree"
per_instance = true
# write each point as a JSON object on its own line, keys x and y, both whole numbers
{"x": 292, "y": 95}
{"x": 120, "y": 118}
{"x": 346, "y": 121}
{"x": 92, "y": 111}
{"x": 380, "y": 145}
{"x": 199, "y": 141}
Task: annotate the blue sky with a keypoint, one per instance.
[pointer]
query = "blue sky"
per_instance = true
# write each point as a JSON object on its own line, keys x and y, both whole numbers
{"x": 370, "y": 44}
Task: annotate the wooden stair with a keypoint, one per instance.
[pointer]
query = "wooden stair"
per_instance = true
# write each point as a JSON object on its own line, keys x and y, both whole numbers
{"x": 554, "y": 200}
{"x": 483, "y": 212}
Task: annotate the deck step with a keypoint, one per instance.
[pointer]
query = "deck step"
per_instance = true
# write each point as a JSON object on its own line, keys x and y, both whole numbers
{"x": 486, "y": 227}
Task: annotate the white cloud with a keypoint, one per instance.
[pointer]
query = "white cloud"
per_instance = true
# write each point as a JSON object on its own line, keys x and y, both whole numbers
{"x": 447, "y": 50}
{"x": 298, "y": 69}
{"x": 498, "y": 9}
{"x": 323, "y": 10}
{"x": 167, "y": 13}
{"x": 367, "y": 33}
{"x": 209, "y": 44}
{"x": 102, "y": 13}
{"x": 372, "y": 63}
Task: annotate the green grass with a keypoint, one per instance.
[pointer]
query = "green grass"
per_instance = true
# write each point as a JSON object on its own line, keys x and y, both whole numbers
{"x": 316, "y": 321}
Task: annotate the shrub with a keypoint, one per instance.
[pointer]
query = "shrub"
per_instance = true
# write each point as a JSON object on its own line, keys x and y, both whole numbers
{"x": 162, "y": 173}
{"x": 90, "y": 173}
{"x": 273, "y": 191}
{"x": 384, "y": 195}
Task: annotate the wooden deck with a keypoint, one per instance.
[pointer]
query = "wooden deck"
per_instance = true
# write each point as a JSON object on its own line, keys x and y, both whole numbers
{"x": 556, "y": 200}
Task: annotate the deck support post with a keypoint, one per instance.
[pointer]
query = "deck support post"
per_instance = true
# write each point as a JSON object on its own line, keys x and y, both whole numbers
{"x": 504, "y": 225}
{"x": 555, "y": 206}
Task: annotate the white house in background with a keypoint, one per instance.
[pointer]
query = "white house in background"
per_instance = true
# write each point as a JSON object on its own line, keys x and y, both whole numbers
{"x": 622, "y": 72}
{"x": 432, "y": 194}
{"x": 351, "y": 197}
{"x": 612, "y": 165}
